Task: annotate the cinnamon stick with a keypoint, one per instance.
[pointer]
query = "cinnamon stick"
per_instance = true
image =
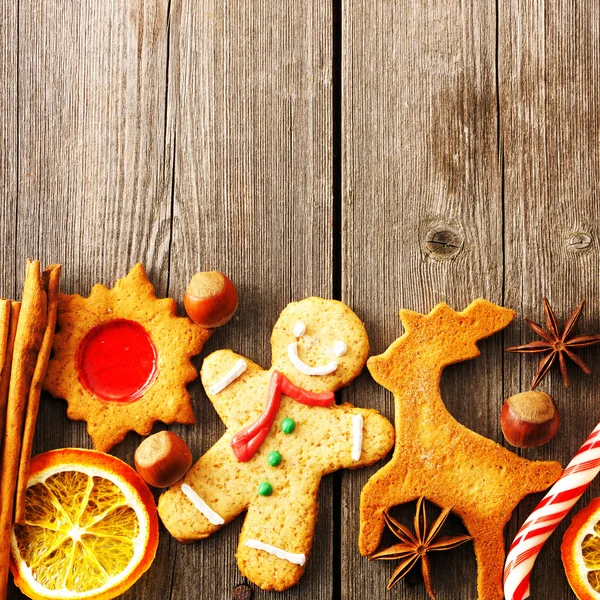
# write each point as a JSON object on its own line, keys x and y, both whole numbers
{"x": 28, "y": 340}
{"x": 4, "y": 332}
{"x": 11, "y": 331}
{"x": 51, "y": 279}
{"x": 4, "y": 326}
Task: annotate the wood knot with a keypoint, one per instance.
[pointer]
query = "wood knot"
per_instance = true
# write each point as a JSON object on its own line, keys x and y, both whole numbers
{"x": 242, "y": 592}
{"x": 579, "y": 240}
{"x": 443, "y": 242}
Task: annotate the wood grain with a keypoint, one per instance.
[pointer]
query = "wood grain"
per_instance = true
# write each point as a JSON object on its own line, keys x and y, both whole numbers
{"x": 422, "y": 218}
{"x": 198, "y": 135}
{"x": 9, "y": 144}
{"x": 549, "y": 70}
{"x": 95, "y": 173}
{"x": 250, "y": 97}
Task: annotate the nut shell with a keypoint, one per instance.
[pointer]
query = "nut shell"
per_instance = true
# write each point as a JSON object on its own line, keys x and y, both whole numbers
{"x": 211, "y": 299}
{"x": 529, "y": 419}
{"x": 162, "y": 459}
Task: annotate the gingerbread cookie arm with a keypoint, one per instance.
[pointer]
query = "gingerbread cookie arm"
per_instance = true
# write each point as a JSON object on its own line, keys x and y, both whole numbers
{"x": 276, "y": 538}
{"x": 363, "y": 437}
{"x": 232, "y": 382}
{"x": 213, "y": 493}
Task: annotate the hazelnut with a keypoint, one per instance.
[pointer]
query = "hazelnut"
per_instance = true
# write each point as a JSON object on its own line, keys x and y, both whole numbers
{"x": 210, "y": 299}
{"x": 162, "y": 459}
{"x": 529, "y": 419}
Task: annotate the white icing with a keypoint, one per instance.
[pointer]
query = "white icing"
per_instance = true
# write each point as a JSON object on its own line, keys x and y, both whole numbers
{"x": 229, "y": 377}
{"x": 307, "y": 369}
{"x": 340, "y": 348}
{"x": 204, "y": 508}
{"x": 299, "y": 329}
{"x": 357, "y": 436}
{"x": 296, "y": 559}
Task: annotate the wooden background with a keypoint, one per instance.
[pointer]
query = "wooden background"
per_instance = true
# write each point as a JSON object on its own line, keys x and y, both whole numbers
{"x": 390, "y": 153}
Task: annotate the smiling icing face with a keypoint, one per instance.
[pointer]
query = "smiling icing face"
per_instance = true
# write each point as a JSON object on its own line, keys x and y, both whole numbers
{"x": 339, "y": 349}
{"x": 319, "y": 344}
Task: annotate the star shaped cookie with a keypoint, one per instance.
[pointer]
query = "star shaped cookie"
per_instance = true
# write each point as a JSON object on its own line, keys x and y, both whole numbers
{"x": 284, "y": 432}
{"x": 122, "y": 359}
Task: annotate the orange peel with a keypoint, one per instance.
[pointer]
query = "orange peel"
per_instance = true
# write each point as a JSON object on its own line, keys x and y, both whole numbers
{"x": 580, "y": 551}
{"x": 91, "y": 528}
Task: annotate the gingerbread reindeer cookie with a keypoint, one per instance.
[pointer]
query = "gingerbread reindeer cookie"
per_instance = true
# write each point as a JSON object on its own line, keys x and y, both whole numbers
{"x": 437, "y": 457}
{"x": 284, "y": 432}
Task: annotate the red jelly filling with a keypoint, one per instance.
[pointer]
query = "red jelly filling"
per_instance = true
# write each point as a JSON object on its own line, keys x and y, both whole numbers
{"x": 116, "y": 361}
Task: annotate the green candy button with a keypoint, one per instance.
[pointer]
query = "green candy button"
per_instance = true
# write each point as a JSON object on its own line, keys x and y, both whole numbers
{"x": 274, "y": 458}
{"x": 265, "y": 489}
{"x": 288, "y": 425}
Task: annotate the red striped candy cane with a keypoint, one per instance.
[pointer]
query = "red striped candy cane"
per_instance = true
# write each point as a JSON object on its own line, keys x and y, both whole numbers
{"x": 542, "y": 522}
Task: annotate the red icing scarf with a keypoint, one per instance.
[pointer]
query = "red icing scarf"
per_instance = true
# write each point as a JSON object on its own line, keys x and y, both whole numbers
{"x": 245, "y": 443}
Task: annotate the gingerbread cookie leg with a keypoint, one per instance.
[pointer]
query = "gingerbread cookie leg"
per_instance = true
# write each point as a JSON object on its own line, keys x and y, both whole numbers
{"x": 277, "y": 536}
{"x": 488, "y": 543}
{"x": 377, "y": 497}
{"x": 212, "y": 494}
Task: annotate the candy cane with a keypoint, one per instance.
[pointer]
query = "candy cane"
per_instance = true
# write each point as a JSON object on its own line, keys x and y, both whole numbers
{"x": 542, "y": 522}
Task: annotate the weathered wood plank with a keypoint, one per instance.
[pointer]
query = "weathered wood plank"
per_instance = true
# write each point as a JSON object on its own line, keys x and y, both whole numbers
{"x": 9, "y": 143}
{"x": 95, "y": 169}
{"x": 549, "y": 57}
{"x": 250, "y": 95}
{"x": 421, "y": 181}
{"x": 102, "y": 106}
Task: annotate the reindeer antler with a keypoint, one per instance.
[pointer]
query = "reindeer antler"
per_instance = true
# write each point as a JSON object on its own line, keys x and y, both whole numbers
{"x": 487, "y": 317}
{"x": 445, "y": 336}
{"x": 481, "y": 319}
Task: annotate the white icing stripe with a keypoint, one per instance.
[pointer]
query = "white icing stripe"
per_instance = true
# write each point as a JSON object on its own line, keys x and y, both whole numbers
{"x": 296, "y": 559}
{"x": 229, "y": 377}
{"x": 204, "y": 508}
{"x": 307, "y": 369}
{"x": 357, "y": 436}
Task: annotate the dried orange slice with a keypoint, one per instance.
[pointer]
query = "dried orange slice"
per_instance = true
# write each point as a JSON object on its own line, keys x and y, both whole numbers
{"x": 90, "y": 531}
{"x": 580, "y": 551}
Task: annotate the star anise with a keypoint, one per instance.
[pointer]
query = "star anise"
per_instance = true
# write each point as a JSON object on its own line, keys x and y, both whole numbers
{"x": 557, "y": 344}
{"x": 415, "y": 546}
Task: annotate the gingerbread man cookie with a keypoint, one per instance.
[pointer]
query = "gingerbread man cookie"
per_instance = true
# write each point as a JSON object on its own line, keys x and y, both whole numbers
{"x": 437, "y": 457}
{"x": 284, "y": 432}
